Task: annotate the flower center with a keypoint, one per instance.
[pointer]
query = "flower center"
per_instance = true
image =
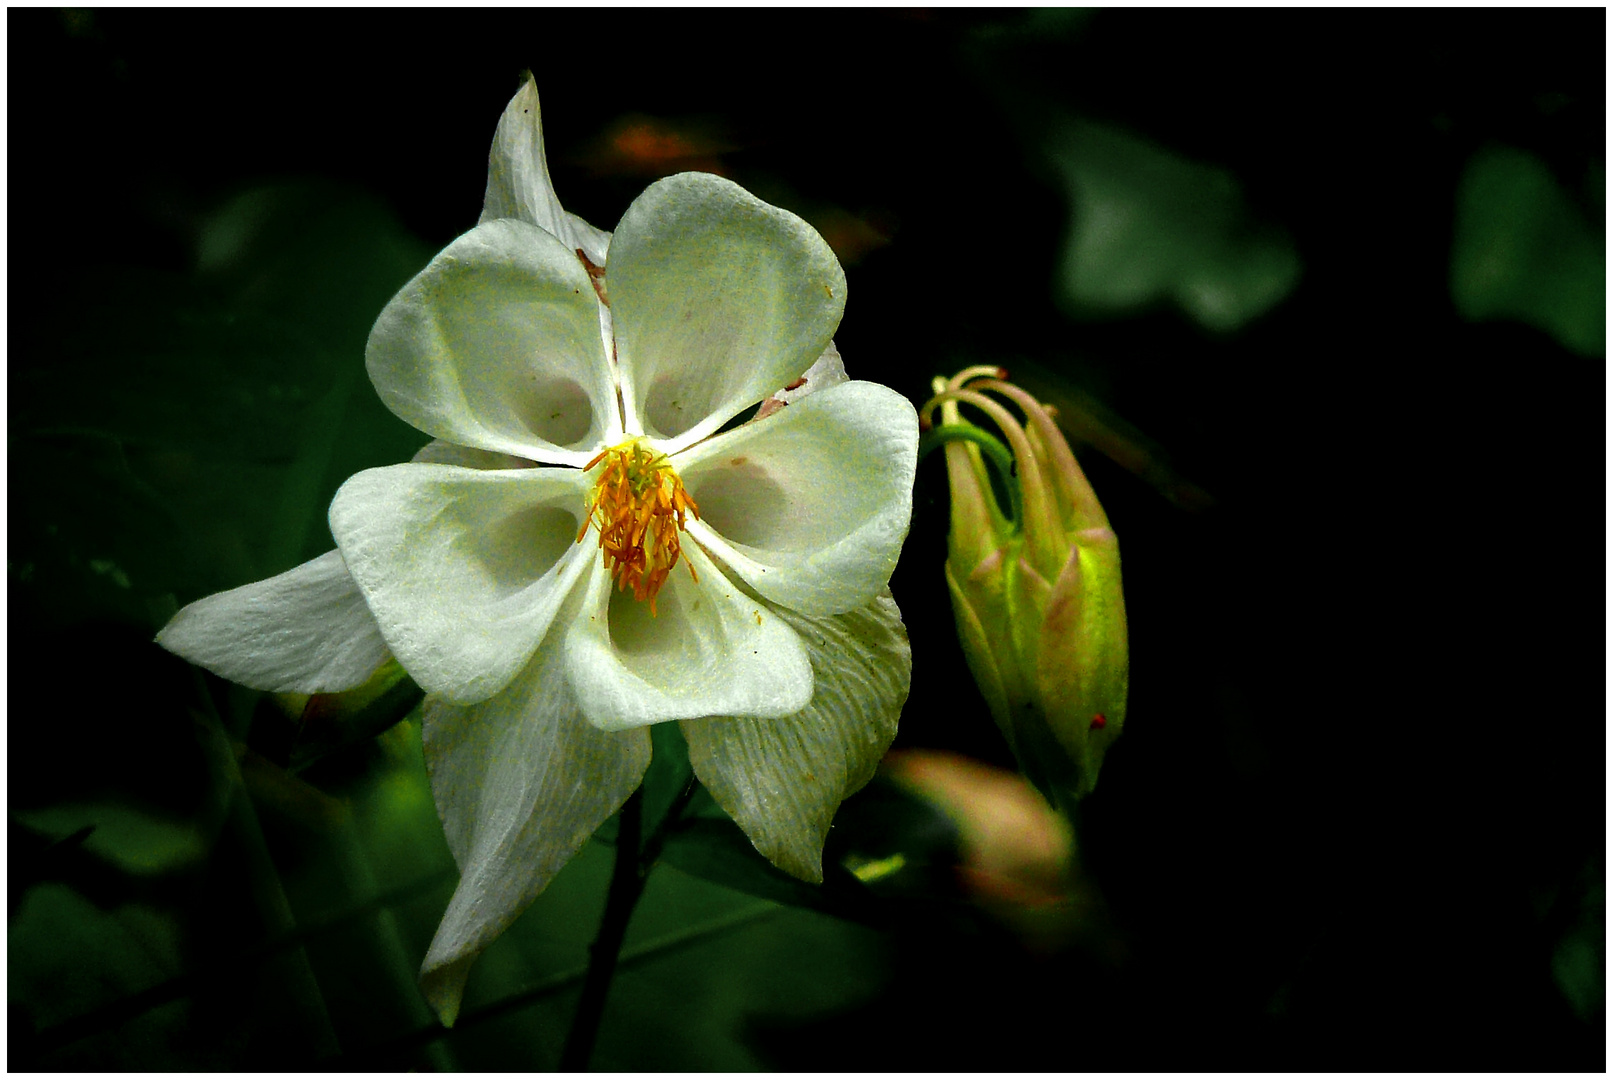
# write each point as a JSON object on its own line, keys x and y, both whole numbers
{"x": 639, "y": 504}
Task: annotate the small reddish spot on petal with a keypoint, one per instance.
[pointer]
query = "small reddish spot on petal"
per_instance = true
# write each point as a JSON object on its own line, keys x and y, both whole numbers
{"x": 596, "y": 275}
{"x": 1098, "y": 720}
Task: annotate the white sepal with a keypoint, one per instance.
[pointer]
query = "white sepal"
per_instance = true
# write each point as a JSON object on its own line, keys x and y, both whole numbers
{"x": 521, "y": 782}
{"x": 518, "y": 183}
{"x": 306, "y": 631}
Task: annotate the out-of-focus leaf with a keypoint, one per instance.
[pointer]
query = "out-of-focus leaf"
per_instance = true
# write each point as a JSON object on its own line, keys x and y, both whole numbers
{"x": 886, "y": 844}
{"x": 135, "y": 840}
{"x": 1579, "y": 960}
{"x": 65, "y": 957}
{"x": 787, "y": 963}
{"x": 1523, "y": 250}
{"x": 1150, "y": 225}
{"x": 173, "y": 434}
{"x": 229, "y": 404}
{"x": 720, "y": 852}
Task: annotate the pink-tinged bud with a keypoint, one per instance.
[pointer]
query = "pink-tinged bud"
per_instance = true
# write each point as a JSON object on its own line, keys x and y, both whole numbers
{"x": 1036, "y": 592}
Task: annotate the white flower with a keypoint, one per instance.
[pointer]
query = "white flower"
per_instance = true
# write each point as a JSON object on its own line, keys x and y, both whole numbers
{"x": 583, "y": 552}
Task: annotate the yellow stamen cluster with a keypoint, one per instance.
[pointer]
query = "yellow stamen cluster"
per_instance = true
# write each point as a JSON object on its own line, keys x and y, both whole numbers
{"x": 639, "y": 506}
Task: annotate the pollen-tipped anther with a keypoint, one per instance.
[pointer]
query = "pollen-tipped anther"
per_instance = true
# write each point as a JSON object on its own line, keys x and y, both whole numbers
{"x": 640, "y": 508}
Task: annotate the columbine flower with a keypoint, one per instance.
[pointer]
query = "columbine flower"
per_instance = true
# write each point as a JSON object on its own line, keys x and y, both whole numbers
{"x": 584, "y": 550}
{"x": 1037, "y": 599}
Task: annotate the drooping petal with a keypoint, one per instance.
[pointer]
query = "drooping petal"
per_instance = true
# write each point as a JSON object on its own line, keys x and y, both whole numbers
{"x": 782, "y": 780}
{"x": 496, "y": 345}
{"x": 518, "y": 184}
{"x": 521, "y": 781}
{"x": 810, "y": 506}
{"x": 306, "y": 631}
{"x": 708, "y": 650}
{"x": 718, "y": 300}
{"x": 464, "y": 570}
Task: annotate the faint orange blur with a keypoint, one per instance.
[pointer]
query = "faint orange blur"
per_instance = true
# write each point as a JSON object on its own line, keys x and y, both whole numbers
{"x": 645, "y": 146}
{"x": 1018, "y": 856}
{"x": 850, "y": 236}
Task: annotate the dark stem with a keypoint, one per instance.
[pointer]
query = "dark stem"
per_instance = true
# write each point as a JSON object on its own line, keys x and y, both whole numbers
{"x": 635, "y": 856}
{"x": 626, "y": 885}
{"x": 674, "y": 812}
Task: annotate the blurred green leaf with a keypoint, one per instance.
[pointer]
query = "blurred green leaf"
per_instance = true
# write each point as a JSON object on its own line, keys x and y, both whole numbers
{"x": 886, "y": 844}
{"x": 173, "y": 434}
{"x": 184, "y": 433}
{"x": 720, "y": 852}
{"x": 1523, "y": 250}
{"x": 1150, "y": 225}
{"x": 135, "y": 840}
{"x": 65, "y": 957}
{"x": 1579, "y": 959}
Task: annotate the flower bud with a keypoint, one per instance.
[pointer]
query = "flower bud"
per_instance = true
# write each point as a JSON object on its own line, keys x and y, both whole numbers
{"x": 1036, "y": 592}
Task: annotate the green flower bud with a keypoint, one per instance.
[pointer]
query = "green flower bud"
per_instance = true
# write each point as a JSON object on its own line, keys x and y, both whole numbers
{"x": 1036, "y": 592}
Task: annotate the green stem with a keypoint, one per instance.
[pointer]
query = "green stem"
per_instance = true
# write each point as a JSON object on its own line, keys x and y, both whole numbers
{"x": 626, "y": 886}
{"x": 635, "y": 857}
{"x": 1001, "y": 458}
{"x": 674, "y": 811}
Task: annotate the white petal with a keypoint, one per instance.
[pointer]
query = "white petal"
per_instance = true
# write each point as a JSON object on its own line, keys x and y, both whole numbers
{"x": 810, "y": 506}
{"x": 521, "y": 781}
{"x": 826, "y": 371}
{"x": 782, "y": 780}
{"x": 718, "y": 300}
{"x": 518, "y": 184}
{"x": 305, "y": 631}
{"x": 496, "y": 345}
{"x": 709, "y": 650}
{"x": 464, "y": 570}
{"x": 442, "y": 452}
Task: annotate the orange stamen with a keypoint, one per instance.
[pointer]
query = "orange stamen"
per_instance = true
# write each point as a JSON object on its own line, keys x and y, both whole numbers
{"x": 640, "y": 508}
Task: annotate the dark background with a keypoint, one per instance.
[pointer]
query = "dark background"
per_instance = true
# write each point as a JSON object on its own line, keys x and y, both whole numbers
{"x": 1357, "y": 818}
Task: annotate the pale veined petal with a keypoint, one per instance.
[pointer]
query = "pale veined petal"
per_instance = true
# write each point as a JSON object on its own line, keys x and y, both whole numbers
{"x": 782, "y": 780}
{"x": 306, "y": 631}
{"x": 521, "y": 781}
{"x": 518, "y": 183}
{"x": 708, "y": 650}
{"x": 718, "y": 300}
{"x": 496, "y": 345}
{"x": 464, "y": 570}
{"x": 810, "y": 506}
